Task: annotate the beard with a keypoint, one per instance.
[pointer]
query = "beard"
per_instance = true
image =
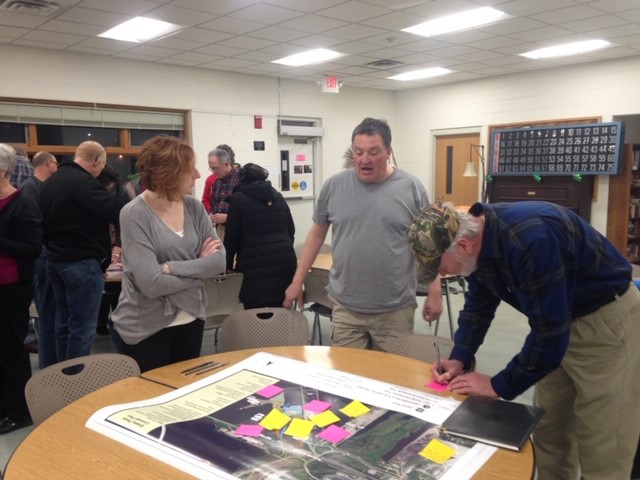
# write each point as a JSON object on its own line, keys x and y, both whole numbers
{"x": 469, "y": 265}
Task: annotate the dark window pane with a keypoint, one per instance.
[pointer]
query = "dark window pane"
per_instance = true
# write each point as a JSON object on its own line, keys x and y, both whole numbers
{"x": 61, "y": 135}
{"x": 13, "y": 133}
{"x": 138, "y": 137}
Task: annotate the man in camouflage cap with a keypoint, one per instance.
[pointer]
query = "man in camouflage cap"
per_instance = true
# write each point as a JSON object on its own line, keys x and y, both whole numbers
{"x": 575, "y": 290}
{"x": 430, "y": 234}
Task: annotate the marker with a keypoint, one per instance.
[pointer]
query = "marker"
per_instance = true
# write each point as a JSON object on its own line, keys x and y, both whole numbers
{"x": 212, "y": 367}
{"x": 438, "y": 363}
{"x": 197, "y": 367}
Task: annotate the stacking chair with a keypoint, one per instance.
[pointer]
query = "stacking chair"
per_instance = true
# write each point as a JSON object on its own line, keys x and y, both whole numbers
{"x": 421, "y": 347}
{"x": 315, "y": 292}
{"x": 222, "y": 299}
{"x": 264, "y": 327}
{"x": 57, "y": 385}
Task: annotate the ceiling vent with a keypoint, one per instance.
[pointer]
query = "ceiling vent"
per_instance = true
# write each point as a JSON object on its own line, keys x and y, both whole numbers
{"x": 384, "y": 64}
{"x": 30, "y": 7}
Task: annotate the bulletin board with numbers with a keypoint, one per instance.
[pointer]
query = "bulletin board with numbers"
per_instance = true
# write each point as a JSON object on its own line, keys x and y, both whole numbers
{"x": 585, "y": 149}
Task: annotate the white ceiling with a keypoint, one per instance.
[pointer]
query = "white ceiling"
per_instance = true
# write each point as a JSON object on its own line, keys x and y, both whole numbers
{"x": 246, "y": 35}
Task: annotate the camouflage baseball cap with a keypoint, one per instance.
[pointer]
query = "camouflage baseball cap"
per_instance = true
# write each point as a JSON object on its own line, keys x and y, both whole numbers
{"x": 429, "y": 235}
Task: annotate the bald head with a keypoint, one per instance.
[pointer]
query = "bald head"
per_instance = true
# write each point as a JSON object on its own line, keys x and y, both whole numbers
{"x": 91, "y": 156}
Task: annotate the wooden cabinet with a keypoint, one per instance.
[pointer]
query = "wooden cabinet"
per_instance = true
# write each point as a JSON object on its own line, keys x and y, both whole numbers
{"x": 623, "y": 211}
{"x": 562, "y": 190}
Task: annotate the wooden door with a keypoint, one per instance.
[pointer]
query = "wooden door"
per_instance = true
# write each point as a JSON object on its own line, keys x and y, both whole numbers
{"x": 453, "y": 152}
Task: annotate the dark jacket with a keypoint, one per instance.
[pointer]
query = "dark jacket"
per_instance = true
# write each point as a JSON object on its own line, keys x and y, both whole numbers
{"x": 21, "y": 234}
{"x": 76, "y": 212}
{"x": 259, "y": 237}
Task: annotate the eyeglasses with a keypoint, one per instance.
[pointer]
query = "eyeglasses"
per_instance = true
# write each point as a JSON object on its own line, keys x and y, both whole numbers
{"x": 55, "y": 162}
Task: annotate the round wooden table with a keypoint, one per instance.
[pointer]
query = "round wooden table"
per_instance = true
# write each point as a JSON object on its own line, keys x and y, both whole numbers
{"x": 62, "y": 448}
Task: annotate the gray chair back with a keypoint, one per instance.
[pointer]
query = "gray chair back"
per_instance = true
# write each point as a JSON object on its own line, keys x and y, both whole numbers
{"x": 264, "y": 327}
{"x": 56, "y": 386}
{"x": 421, "y": 347}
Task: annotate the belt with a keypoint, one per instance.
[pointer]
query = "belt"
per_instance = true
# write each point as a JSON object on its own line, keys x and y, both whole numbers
{"x": 612, "y": 298}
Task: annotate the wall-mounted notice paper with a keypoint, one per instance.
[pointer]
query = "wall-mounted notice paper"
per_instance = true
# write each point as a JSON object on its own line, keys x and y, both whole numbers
{"x": 301, "y": 158}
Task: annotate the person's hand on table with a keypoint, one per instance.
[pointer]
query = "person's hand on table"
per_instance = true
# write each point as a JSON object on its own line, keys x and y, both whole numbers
{"x": 462, "y": 383}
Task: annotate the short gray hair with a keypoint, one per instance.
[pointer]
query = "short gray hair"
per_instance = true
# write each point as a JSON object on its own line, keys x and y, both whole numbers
{"x": 7, "y": 159}
{"x": 222, "y": 155}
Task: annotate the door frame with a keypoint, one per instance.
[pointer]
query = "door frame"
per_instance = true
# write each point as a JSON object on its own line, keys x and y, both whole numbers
{"x": 448, "y": 171}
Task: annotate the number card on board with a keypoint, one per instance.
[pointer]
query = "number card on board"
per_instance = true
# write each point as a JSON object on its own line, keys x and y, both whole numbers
{"x": 586, "y": 149}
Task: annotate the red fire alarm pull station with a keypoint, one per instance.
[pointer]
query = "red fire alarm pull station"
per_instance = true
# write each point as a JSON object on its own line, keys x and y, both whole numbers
{"x": 257, "y": 121}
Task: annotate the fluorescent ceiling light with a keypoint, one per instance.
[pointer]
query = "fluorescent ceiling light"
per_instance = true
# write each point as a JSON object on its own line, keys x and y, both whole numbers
{"x": 140, "y": 29}
{"x": 457, "y": 22}
{"x": 566, "y": 49}
{"x": 308, "y": 58}
{"x": 420, "y": 74}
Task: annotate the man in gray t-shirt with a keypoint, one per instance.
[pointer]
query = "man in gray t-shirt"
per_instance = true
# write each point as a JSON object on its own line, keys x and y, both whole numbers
{"x": 369, "y": 207}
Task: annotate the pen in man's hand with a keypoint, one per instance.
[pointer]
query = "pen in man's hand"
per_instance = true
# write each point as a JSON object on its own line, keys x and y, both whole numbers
{"x": 438, "y": 359}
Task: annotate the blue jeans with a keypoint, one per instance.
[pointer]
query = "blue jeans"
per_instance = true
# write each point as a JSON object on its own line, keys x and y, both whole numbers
{"x": 46, "y": 305}
{"x": 77, "y": 288}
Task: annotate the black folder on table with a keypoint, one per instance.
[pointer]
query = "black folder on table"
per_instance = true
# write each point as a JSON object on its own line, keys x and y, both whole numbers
{"x": 496, "y": 422}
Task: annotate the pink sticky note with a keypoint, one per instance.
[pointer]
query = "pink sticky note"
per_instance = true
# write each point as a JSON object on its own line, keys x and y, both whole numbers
{"x": 269, "y": 391}
{"x": 249, "y": 430}
{"x": 333, "y": 434}
{"x": 317, "y": 406}
{"x": 437, "y": 386}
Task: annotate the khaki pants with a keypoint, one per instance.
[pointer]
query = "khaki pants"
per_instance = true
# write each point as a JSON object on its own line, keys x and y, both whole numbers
{"x": 592, "y": 401}
{"x": 220, "y": 231}
{"x": 369, "y": 330}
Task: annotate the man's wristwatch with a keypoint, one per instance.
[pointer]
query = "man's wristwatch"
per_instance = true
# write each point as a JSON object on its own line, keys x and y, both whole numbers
{"x": 164, "y": 268}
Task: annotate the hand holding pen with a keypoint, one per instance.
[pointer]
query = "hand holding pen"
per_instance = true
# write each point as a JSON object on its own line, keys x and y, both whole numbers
{"x": 445, "y": 370}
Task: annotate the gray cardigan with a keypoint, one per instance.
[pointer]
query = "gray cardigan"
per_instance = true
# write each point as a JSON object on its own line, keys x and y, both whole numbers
{"x": 150, "y": 299}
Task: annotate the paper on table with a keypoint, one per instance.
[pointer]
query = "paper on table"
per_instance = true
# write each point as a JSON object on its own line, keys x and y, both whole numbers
{"x": 162, "y": 427}
{"x": 325, "y": 418}
{"x": 275, "y": 420}
{"x": 355, "y": 409}
{"x": 333, "y": 434}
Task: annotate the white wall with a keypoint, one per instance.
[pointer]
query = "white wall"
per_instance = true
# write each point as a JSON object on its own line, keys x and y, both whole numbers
{"x": 223, "y": 105}
{"x": 604, "y": 89}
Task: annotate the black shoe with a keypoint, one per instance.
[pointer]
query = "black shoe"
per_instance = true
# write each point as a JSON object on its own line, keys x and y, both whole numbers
{"x": 32, "y": 346}
{"x": 8, "y": 425}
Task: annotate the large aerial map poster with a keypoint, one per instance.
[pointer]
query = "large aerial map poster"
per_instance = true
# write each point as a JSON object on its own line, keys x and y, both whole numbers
{"x": 273, "y": 417}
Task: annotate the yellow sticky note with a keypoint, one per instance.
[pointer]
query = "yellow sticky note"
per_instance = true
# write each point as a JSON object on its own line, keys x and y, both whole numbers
{"x": 437, "y": 451}
{"x": 275, "y": 420}
{"x": 325, "y": 418}
{"x": 299, "y": 428}
{"x": 355, "y": 409}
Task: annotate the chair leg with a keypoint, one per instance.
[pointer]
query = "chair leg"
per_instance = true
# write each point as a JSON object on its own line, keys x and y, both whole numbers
{"x": 315, "y": 329}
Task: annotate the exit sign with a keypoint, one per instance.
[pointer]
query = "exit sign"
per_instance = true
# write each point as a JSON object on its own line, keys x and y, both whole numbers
{"x": 330, "y": 84}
